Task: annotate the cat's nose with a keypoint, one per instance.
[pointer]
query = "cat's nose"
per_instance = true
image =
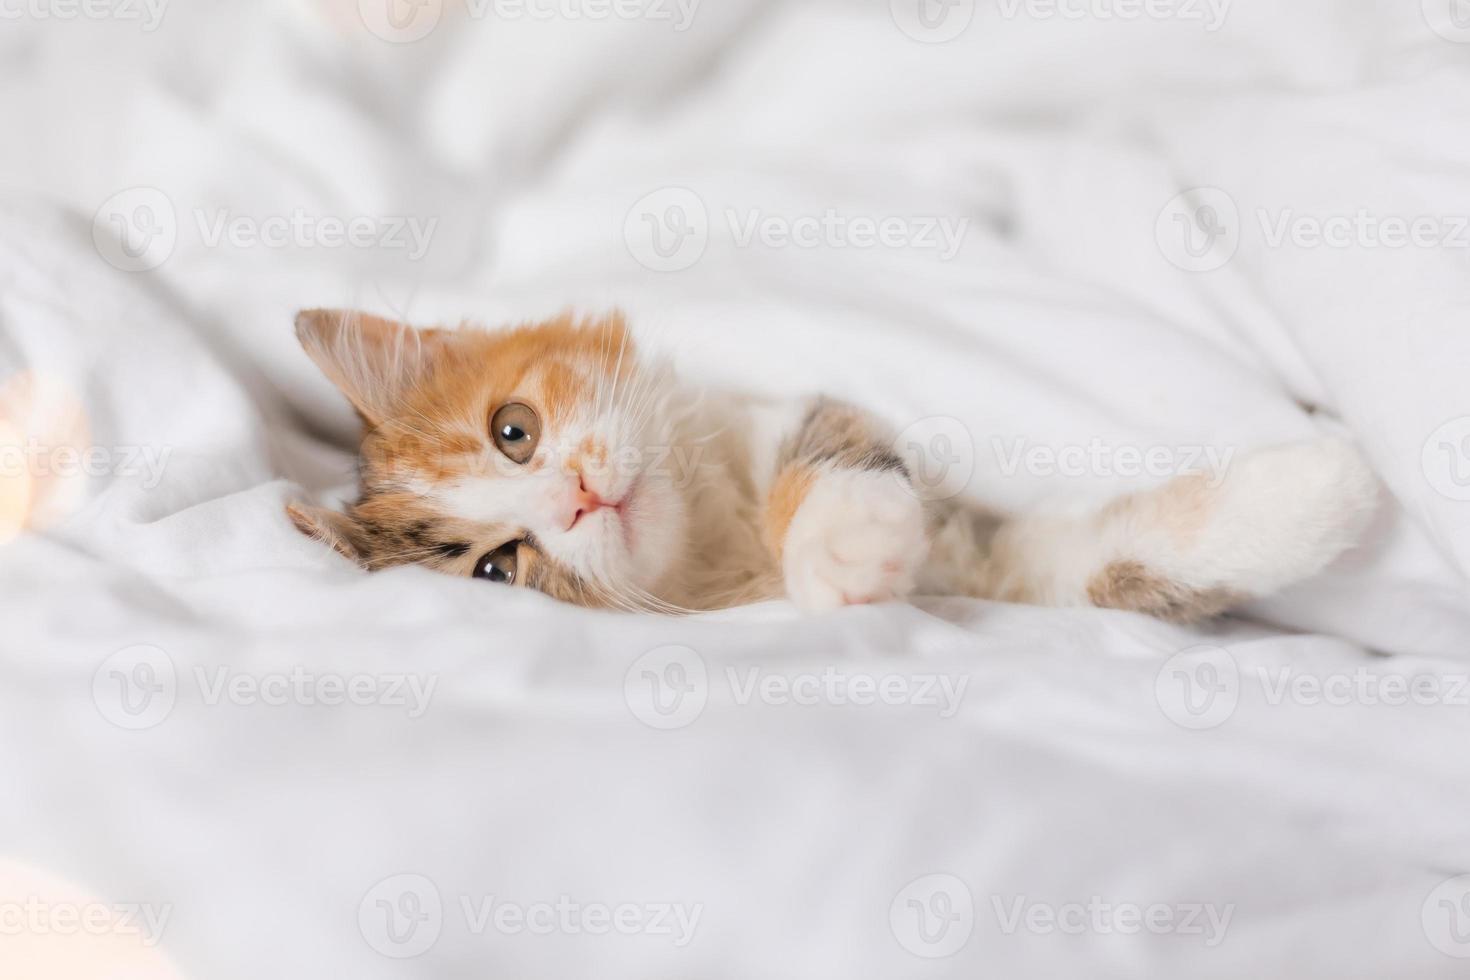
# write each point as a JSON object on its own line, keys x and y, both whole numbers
{"x": 584, "y": 502}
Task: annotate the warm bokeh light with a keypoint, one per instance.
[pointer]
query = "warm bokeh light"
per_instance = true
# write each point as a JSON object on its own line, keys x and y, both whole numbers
{"x": 44, "y": 435}
{"x": 15, "y": 487}
{"x": 109, "y": 946}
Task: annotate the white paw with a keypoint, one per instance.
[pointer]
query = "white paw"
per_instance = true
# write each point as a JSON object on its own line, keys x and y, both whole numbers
{"x": 858, "y": 537}
{"x": 1291, "y": 510}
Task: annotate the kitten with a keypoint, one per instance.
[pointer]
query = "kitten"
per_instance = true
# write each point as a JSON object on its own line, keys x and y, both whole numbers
{"x": 550, "y": 456}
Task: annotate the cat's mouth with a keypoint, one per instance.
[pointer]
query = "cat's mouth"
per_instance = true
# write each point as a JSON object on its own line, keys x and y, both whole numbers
{"x": 621, "y": 509}
{"x": 624, "y": 509}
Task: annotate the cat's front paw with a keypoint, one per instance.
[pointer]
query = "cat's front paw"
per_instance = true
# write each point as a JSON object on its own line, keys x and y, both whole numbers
{"x": 858, "y": 537}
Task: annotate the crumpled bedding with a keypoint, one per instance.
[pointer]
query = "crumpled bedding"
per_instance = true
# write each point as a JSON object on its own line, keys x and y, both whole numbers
{"x": 406, "y": 775}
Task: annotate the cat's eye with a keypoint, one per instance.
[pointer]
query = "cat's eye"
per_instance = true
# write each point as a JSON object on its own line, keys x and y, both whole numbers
{"x": 499, "y": 565}
{"x": 516, "y": 431}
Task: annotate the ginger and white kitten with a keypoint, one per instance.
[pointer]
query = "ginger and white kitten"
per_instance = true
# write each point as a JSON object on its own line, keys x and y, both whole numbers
{"x": 551, "y": 456}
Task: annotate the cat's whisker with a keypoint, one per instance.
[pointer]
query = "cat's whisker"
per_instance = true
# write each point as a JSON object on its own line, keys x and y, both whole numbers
{"x": 618, "y": 367}
{"x": 653, "y": 602}
{"x": 647, "y": 398}
{"x": 610, "y": 595}
{"x": 604, "y": 389}
{"x": 612, "y": 598}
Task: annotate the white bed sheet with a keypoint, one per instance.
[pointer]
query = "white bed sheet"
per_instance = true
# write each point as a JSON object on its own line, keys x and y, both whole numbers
{"x": 1324, "y": 837}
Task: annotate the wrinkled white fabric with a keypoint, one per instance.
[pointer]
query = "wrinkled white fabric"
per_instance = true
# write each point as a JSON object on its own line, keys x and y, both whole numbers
{"x": 1059, "y": 775}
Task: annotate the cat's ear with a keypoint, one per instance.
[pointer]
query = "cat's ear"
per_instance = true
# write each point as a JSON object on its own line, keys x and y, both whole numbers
{"x": 330, "y": 527}
{"x": 374, "y": 361}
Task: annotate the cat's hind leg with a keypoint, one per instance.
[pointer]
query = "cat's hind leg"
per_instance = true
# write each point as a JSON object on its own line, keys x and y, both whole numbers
{"x": 1195, "y": 546}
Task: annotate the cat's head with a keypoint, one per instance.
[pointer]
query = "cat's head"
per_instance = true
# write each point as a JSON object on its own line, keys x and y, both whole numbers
{"x": 529, "y": 455}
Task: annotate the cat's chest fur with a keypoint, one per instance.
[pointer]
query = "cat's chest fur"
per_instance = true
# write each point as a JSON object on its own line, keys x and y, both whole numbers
{"x": 728, "y": 442}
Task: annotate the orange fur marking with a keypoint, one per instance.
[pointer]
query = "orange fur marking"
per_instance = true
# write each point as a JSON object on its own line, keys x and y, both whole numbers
{"x": 788, "y": 491}
{"x": 428, "y": 394}
{"x": 1181, "y": 507}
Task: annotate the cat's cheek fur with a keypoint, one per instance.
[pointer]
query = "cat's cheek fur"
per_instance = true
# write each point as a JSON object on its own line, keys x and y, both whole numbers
{"x": 659, "y": 528}
{"x": 537, "y": 500}
{"x": 857, "y": 537}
